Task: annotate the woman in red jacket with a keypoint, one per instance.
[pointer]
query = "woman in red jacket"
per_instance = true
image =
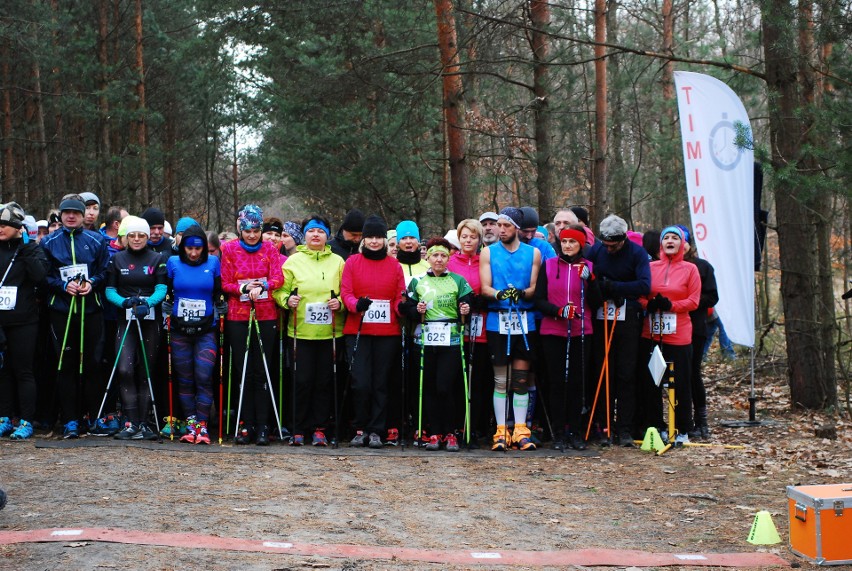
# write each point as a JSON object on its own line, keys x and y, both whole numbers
{"x": 371, "y": 288}
{"x": 251, "y": 269}
{"x": 675, "y": 291}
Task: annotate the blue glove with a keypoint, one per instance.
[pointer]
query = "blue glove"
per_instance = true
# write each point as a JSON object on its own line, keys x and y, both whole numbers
{"x": 142, "y": 309}
{"x": 127, "y": 303}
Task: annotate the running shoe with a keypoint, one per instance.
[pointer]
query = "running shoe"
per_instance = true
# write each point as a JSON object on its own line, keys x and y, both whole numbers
{"x": 127, "y": 433}
{"x": 319, "y": 439}
{"x": 145, "y": 433}
{"x": 375, "y": 440}
{"x": 359, "y": 440}
{"x": 298, "y": 440}
{"x": 6, "y": 426}
{"x": 262, "y": 438}
{"x": 577, "y": 442}
{"x": 451, "y": 443}
{"x": 681, "y": 439}
{"x": 108, "y": 425}
{"x": 245, "y": 434}
{"x": 201, "y": 435}
{"x": 24, "y": 431}
{"x": 499, "y": 441}
{"x": 521, "y": 438}
{"x": 177, "y": 424}
{"x": 189, "y": 437}
{"x": 434, "y": 443}
{"x": 71, "y": 430}
{"x": 393, "y": 437}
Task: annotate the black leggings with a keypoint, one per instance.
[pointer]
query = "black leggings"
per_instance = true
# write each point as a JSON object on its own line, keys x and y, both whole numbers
{"x": 371, "y": 368}
{"x": 314, "y": 378}
{"x": 16, "y": 376}
{"x": 442, "y": 387}
{"x": 565, "y": 398}
{"x": 69, "y": 378}
{"x": 132, "y": 372}
{"x": 256, "y": 391}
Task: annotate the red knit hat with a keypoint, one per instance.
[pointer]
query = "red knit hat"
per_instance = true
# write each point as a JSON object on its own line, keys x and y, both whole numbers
{"x": 578, "y": 235}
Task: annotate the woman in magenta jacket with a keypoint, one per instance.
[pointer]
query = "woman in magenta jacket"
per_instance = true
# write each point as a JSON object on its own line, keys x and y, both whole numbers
{"x": 675, "y": 291}
{"x": 371, "y": 288}
{"x": 251, "y": 270}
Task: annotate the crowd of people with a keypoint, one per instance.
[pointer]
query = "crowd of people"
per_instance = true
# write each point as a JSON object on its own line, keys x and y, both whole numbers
{"x": 503, "y": 332}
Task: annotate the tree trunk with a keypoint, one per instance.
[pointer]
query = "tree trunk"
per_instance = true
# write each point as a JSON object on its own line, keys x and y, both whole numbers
{"x": 453, "y": 112}
{"x": 169, "y": 131}
{"x": 43, "y": 187}
{"x": 600, "y": 202}
{"x": 617, "y": 181}
{"x": 59, "y": 137}
{"x": 8, "y": 151}
{"x": 105, "y": 149}
{"x": 667, "y": 121}
{"x": 803, "y": 223}
{"x": 141, "y": 132}
{"x": 540, "y": 19}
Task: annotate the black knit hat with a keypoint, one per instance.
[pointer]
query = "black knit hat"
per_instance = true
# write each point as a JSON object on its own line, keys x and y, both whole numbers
{"x": 353, "y": 221}
{"x": 530, "y": 217}
{"x": 154, "y": 217}
{"x": 375, "y": 227}
{"x": 72, "y": 204}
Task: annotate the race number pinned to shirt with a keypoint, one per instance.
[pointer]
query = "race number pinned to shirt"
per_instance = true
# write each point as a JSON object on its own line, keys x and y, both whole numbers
{"x": 317, "y": 313}
{"x": 191, "y": 309}
{"x": 513, "y": 323}
{"x": 264, "y": 295}
{"x": 663, "y": 323}
{"x": 73, "y": 272}
{"x": 378, "y": 312}
{"x": 611, "y": 311}
{"x": 8, "y": 297}
{"x": 476, "y": 325}
{"x": 437, "y": 333}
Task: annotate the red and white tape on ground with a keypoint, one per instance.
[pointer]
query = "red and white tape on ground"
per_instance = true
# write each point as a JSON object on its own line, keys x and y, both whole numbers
{"x": 589, "y": 557}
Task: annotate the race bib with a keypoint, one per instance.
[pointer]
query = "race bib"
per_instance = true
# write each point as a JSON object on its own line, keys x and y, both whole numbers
{"x": 264, "y": 295}
{"x": 72, "y": 272}
{"x": 476, "y": 324}
{"x": 513, "y": 323}
{"x": 437, "y": 334}
{"x": 611, "y": 313}
{"x": 191, "y": 309}
{"x": 378, "y": 312}
{"x": 663, "y": 323}
{"x": 8, "y": 297}
{"x": 317, "y": 313}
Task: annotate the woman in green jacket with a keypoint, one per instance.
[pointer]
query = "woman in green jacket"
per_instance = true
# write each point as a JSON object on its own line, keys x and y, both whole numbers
{"x": 311, "y": 289}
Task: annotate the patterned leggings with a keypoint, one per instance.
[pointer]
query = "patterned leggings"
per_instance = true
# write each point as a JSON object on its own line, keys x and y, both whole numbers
{"x": 193, "y": 359}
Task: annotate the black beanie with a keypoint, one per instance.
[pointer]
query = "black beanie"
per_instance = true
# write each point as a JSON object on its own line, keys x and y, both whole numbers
{"x": 375, "y": 227}
{"x": 530, "y": 217}
{"x": 354, "y": 221}
{"x": 154, "y": 217}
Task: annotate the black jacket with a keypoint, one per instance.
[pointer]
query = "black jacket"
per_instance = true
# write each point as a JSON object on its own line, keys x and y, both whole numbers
{"x": 28, "y": 269}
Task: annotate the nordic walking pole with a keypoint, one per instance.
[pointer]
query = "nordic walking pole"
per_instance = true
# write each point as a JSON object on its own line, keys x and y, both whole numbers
{"x": 230, "y": 377}
{"x": 334, "y": 369}
{"x": 583, "y": 343}
{"x": 404, "y": 379}
{"x": 295, "y": 312}
{"x": 466, "y": 388}
{"x": 114, "y": 367}
{"x": 508, "y": 380}
{"x": 171, "y": 396}
{"x": 608, "y": 402}
{"x": 148, "y": 375}
{"x": 71, "y": 309}
{"x": 420, "y": 402}
{"x": 281, "y": 361}
{"x": 221, "y": 377}
{"x": 266, "y": 369}
{"x": 607, "y": 341}
{"x": 243, "y": 378}
{"x": 468, "y": 384}
{"x": 82, "y": 325}
{"x": 567, "y": 352}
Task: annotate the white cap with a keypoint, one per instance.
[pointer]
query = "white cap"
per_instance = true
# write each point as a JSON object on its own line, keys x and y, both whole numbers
{"x": 42, "y": 224}
{"x": 453, "y": 238}
{"x": 167, "y": 228}
{"x": 488, "y": 216}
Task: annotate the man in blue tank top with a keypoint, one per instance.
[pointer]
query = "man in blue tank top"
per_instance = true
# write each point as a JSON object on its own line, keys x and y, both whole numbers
{"x": 508, "y": 270}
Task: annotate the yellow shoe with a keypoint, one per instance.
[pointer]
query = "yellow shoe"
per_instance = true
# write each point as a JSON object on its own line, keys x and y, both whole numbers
{"x": 501, "y": 438}
{"x": 521, "y": 438}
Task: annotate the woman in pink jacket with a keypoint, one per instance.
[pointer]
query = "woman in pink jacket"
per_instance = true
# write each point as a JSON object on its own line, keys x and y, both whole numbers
{"x": 251, "y": 270}
{"x": 675, "y": 291}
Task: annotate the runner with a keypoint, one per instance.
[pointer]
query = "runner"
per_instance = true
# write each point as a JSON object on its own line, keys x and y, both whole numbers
{"x": 78, "y": 260}
{"x": 624, "y": 274}
{"x": 195, "y": 304}
{"x": 675, "y": 291}
{"x": 437, "y": 300}
{"x": 371, "y": 289}
{"x": 566, "y": 292}
{"x": 250, "y": 271}
{"x": 23, "y": 266}
{"x": 508, "y": 270}
{"x": 348, "y": 237}
{"x": 489, "y": 228}
{"x": 465, "y": 262}
{"x": 136, "y": 282}
{"x": 312, "y": 288}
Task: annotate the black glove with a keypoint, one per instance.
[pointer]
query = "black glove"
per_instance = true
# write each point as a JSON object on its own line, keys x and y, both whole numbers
{"x": 606, "y": 287}
{"x": 128, "y": 302}
{"x": 363, "y": 304}
{"x": 142, "y": 309}
{"x": 663, "y": 303}
{"x": 652, "y": 306}
{"x": 510, "y": 293}
{"x": 221, "y": 307}
{"x": 2, "y": 362}
{"x": 168, "y": 306}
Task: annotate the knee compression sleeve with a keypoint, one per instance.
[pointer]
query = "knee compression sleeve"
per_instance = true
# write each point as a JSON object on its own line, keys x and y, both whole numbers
{"x": 500, "y": 383}
{"x": 519, "y": 381}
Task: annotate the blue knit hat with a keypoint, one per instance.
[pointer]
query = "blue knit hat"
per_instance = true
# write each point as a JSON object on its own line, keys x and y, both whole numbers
{"x": 672, "y": 230}
{"x": 250, "y": 217}
{"x": 407, "y": 229}
{"x": 184, "y": 223}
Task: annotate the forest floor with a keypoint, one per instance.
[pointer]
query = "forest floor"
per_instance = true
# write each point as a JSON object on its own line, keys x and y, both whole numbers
{"x": 689, "y": 500}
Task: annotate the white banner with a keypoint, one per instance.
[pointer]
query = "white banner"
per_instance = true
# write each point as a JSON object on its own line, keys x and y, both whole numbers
{"x": 720, "y": 185}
